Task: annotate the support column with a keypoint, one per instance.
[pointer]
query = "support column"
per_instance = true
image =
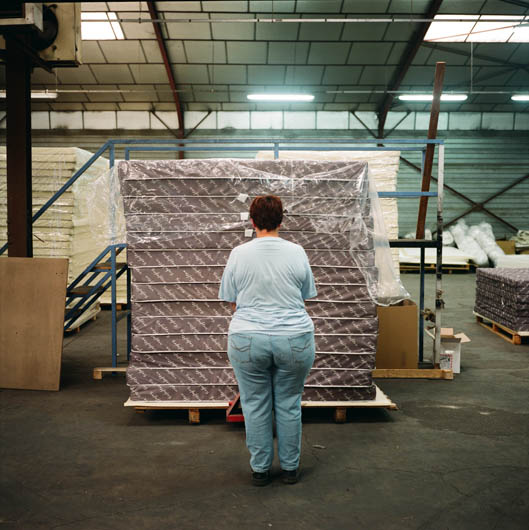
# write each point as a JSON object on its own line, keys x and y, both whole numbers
{"x": 19, "y": 203}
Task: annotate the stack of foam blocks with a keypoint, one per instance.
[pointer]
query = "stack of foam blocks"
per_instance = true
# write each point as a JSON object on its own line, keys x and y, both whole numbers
{"x": 64, "y": 230}
{"x": 502, "y": 295}
{"x": 184, "y": 217}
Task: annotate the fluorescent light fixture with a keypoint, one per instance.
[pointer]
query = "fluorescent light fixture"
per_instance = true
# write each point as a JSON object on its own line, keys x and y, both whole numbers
{"x": 454, "y": 97}
{"x": 478, "y": 28}
{"x": 520, "y": 97}
{"x": 280, "y": 97}
{"x": 102, "y": 25}
{"x": 429, "y": 97}
{"x": 35, "y": 95}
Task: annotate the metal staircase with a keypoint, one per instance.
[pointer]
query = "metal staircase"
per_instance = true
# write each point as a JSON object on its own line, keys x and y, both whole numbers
{"x": 102, "y": 274}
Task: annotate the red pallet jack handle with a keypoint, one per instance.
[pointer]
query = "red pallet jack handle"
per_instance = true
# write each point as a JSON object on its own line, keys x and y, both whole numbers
{"x": 232, "y": 417}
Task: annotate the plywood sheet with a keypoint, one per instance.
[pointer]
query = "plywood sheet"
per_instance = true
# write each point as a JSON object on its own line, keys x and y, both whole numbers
{"x": 32, "y": 296}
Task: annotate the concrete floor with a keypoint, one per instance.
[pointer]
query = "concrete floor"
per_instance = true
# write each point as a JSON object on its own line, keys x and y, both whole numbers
{"x": 456, "y": 454}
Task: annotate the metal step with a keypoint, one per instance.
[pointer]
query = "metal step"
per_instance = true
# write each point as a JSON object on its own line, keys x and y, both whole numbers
{"x": 107, "y": 265}
{"x": 77, "y": 313}
{"x": 83, "y": 290}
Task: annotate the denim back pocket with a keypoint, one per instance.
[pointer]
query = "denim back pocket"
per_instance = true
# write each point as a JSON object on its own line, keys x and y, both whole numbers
{"x": 239, "y": 347}
{"x": 302, "y": 347}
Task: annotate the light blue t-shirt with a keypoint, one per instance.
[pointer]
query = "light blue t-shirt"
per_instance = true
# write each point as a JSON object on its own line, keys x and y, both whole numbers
{"x": 269, "y": 278}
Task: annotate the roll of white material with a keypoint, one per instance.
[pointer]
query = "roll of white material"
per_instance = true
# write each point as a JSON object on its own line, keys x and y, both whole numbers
{"x": 448, "y": 239}
{"x": 484, "y": 236}
{"x": 468, "y": 244}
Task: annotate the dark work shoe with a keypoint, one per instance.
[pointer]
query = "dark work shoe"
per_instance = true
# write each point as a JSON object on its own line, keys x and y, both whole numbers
{"x": 290, "y": 477}
{"x": 260, "y": 479}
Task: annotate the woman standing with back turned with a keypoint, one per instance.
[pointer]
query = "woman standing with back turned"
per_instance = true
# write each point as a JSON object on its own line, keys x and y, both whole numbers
{"x": 271, "y": 338}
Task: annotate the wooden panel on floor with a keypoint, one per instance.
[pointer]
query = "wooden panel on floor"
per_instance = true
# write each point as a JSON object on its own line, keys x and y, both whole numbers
{"x": 412, "y": 373}
{"x": 32, "y": 297}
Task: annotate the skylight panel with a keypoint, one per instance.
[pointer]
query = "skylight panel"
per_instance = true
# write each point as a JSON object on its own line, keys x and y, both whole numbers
{"x": 479, "y": 28}
{"x": 451, "y": 31}
{"x": 493, "y": 31}
{"x": 101, "y": 26}
{"x": 521, "y": 32}
{"x": 116, "y": 26}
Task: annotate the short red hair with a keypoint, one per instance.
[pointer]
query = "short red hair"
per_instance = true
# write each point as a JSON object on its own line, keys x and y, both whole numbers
{"x": 267, "y": 212}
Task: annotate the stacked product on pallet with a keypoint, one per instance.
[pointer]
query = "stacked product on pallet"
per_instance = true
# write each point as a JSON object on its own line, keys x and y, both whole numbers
{"x": 184, "y": 217}
{"x": 63, "y": 231}
{"x": 383, "y": 167}
{"x": 502, "y": 296}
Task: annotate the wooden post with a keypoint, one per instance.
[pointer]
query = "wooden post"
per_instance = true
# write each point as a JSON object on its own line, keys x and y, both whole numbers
{"x": 430, "y": 148}
{"x": 340, "y": 415}
{"x": 194, "y": 416}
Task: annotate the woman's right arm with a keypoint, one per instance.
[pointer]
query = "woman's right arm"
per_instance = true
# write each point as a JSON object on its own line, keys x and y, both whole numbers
{"x": 308, "y": 287}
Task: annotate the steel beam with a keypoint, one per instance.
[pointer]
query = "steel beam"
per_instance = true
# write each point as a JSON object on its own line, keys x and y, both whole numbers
{"x": 405, "y": 62}
{"x": 19, "y": 203}
{"x": 476, "y": 206}
{"x": 153, "y": 12}
{"x": 191, "y": 131}
{"x": 173, "y": 132}
{"x": 463, "y": 53}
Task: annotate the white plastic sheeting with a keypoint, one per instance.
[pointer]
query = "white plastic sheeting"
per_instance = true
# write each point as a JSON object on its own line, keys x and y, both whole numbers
{"x": 468, "y": 244}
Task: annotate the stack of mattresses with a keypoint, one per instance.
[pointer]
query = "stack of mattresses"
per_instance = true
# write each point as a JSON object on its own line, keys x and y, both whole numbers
{"x": 184, "y": 217}
{"x": 64, "y": 229}
{"x": 383, "y": 167}
{"x": 502, "y": 295}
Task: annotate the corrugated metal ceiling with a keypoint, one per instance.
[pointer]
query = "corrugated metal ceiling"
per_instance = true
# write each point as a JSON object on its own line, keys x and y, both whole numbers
{"x": 217, "y": 64}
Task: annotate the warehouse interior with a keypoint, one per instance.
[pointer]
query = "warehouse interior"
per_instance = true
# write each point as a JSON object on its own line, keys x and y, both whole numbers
{"x": 134, "y": 136}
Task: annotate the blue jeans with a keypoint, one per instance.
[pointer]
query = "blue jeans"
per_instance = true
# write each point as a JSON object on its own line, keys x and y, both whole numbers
{"x": 271, "y": 371}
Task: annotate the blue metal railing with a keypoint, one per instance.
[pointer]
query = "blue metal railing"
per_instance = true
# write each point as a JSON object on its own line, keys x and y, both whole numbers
{"x": 263, "y": 144}
{"x": 300, "y": 144}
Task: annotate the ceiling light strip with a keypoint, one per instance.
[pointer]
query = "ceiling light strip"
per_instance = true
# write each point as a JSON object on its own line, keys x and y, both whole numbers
{"x": 42, "y": 94}
{"x": 429, "y": 97}
{"x": 280, "y": 97}
{"x": 53, "y": 94}
{"x": 304, "y": 20}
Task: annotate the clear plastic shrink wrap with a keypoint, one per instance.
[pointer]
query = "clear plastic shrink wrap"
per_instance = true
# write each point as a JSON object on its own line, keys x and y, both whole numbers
{"x": 107, "y": 218}
{"x": 382, "y": 170}
{"x": 468, "y": 244}
{"x": 105, "y": 208}
{"x": 184, "y": 217}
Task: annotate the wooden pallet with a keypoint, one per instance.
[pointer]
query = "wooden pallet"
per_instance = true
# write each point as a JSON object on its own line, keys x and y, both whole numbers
{"x": 514, "y": 337}
{"x": 430, "y": 267}
{"x": 100, "y": 370}
{"x": 194, "y": 408}
{"x": 412, "y": 373}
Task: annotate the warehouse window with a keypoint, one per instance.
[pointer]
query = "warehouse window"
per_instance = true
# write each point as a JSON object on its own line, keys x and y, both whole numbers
{"x": 479, "y": 28}
{"x": 101, "y": 26}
